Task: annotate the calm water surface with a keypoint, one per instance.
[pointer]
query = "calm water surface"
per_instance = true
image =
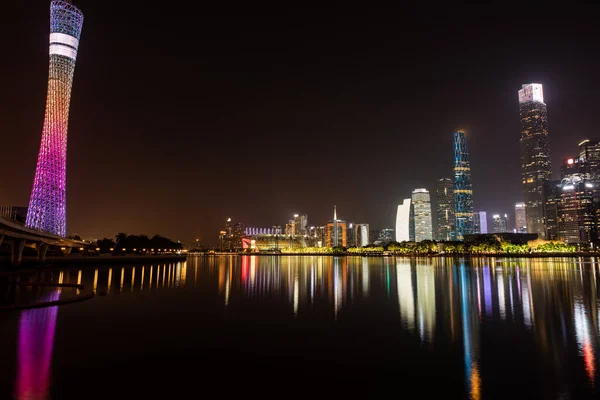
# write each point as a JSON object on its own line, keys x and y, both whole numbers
{"x": 281, "y": 327}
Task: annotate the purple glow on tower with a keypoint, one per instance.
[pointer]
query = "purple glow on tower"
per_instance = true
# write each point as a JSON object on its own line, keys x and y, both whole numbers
{"x": 47, "y": 205}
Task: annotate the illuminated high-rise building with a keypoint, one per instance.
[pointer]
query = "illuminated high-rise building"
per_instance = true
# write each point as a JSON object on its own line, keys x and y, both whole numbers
{"x": 576, "y": 213}
{"x": 500, "y": 223}
{"x": 446, "y": 220}
{"x": 335, "y": 232}
{"x": 520, "y": 218}
{"x": 403, "y": 225}
{"x": 463, "y": 190}
{"x": 362, "y": 235}
{"x": 552, "y": 196}
{"x": 480, "y": 222}
{"x": 535, "y": 155}
{"x": 297, "y": 225}
{"x": 421, "y": 203}
{"x": 47, "y": 204}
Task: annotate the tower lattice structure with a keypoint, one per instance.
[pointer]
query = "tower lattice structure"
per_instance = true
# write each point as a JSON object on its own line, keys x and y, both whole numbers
{"x": 47, "y": 204}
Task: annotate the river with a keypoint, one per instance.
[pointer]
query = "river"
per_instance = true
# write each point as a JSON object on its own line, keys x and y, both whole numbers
{"x": 306, "y": 326}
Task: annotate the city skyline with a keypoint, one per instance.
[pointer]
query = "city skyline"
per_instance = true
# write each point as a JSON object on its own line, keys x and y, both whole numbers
{"x": 117, "y": 132}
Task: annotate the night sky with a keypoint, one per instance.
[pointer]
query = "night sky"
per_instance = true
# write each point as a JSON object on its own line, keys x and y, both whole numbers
{"x": 180, "y": 119}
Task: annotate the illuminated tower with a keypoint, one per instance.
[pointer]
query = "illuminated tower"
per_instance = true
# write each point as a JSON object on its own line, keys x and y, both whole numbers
{"x": 422, "y": 215}
{"x": 463, "y": 191}
{"x": 535, "y": 155}
{"x": 520, "y": 218}
{"x": 47, "y": 205}
{"x": 444, "y": 192}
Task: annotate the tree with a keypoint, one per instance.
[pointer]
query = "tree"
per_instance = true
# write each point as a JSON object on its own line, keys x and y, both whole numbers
{"x": 105, "y": 245}
{"x": 120, "y": 236}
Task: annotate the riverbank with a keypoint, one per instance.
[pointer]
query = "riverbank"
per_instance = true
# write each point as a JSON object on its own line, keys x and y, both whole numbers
{"x": 94, "y": 260}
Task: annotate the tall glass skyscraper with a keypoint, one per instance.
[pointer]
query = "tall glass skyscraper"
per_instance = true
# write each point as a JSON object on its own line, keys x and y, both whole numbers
{"x": 47, "y": 204}
{"x": 480, "y": 222}
{"x": 520, "y": 218}
{"x": 422, "y": 215}
{"x": 444, "y": 193}
{"x": 463, "y": 190}
{"x": 535, "y": 155}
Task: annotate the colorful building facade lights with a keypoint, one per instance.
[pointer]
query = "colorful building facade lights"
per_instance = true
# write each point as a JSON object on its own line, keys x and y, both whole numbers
{"x": 47, "y": 204}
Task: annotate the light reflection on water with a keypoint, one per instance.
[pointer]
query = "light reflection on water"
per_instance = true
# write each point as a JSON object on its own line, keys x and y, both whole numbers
{"x": 445, "y": 303}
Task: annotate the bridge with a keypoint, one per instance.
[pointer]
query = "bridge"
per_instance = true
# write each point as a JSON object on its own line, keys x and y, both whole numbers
{"x": 19, "y": 237}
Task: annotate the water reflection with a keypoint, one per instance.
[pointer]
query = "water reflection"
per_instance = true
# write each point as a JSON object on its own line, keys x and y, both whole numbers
{"x": 34, "y": 351}
{"x": 539, "y": 314}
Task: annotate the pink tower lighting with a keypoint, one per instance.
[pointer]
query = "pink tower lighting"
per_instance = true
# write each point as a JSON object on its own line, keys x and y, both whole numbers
{"x": 47, "y": 204}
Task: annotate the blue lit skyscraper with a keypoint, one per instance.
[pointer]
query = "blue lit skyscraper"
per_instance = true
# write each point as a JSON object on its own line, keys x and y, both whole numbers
{"x": 463, "y": 191}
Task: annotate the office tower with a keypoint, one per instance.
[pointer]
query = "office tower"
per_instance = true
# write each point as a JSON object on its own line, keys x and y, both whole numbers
{"x": 444, "y": 192}
{"x": 297, "y": 225}
{"x": 535, "y": 155}
{"x": 576, "y": 213}
{"x": 238, "y": 233}
{"x": 300, "y": 222}
{"x": 500, "y": 223}
{"x": 386, "y": 235}
{"x": 403, "y": 217}
{"x": 422, "y": 215}
{"x": 589, "y": 152}
{"x": 520, "y": 218}
{"x": 463, "y": 190}
{"x": 335, "y": 232}
{"x": 480, "y": 222}
{"x": 362, "y": 235}
{"x": 47, "y": 204}
{"x": 552, "y": 192}
{"x": 351, "y": 235}
{"x": 222, "y": 240}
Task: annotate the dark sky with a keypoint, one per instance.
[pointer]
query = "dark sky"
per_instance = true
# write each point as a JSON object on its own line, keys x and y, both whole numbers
{"x": 180, "y": 119}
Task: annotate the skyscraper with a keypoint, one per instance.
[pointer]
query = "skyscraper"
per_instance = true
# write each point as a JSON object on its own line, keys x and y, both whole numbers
{"x": 403, "y": 221}
{"x": 500, "y": 223}
{"x": 362, "y": 235}
{"x": 520, "y": 218}
{"x": 444, "y": 192}
{"x": 351, "y": 235}
{"x": 463, "y": 190}
{"x": 47, "y": 204}
{"x": 335, "y": 231}
{"x": 576, "y": 214}
{"x": 480, "y": 222}
{"x": 535, "y": 155}
{"x": 422, "y": 215}
{"x": 552, "y": 197}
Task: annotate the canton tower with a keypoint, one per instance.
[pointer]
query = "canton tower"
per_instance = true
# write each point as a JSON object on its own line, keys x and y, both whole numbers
{"x": 47, "y": 204}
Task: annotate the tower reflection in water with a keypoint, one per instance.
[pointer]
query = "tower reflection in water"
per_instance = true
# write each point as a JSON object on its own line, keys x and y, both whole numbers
{"x": 442, "y": 302}
{"x": 34, "y": 350}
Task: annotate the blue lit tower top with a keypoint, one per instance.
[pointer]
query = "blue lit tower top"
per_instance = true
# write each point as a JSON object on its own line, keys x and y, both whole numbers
{"x": 463, "y": 190}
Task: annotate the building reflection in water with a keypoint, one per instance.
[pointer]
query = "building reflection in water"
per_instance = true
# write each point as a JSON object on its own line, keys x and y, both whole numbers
{"x": 554, "y": 302}
{"x": 470, "y": 325}
{"x": 34, "y": 351}
{"x": 404, "y": 283}
{"x": 426, "y": 301}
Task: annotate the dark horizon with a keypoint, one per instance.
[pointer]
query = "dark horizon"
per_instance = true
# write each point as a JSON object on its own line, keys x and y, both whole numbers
{"x": 179, "y": 121}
